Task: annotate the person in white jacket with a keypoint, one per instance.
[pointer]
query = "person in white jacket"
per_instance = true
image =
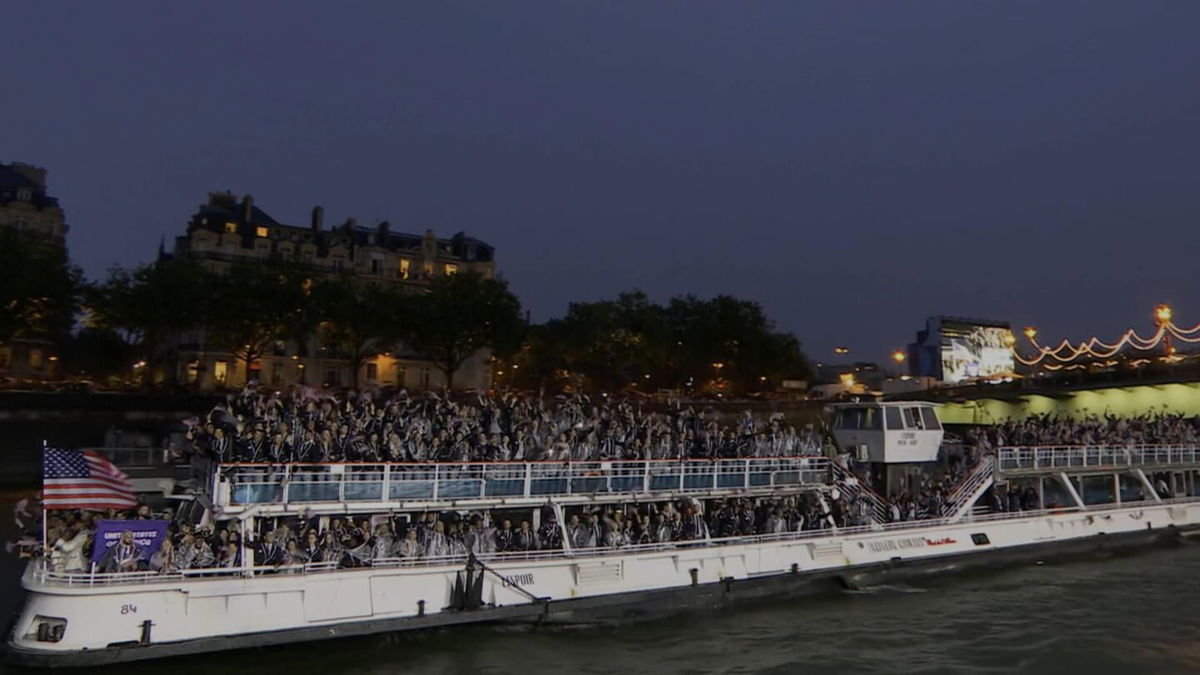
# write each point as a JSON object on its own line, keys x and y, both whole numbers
{"x": 67, "y": 554}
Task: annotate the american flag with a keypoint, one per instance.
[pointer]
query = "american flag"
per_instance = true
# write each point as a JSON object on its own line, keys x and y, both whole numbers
{"x": 73, "y": 479}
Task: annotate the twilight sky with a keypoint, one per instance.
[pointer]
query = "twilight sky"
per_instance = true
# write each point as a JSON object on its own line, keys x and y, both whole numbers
{"x": 853, "y": 166}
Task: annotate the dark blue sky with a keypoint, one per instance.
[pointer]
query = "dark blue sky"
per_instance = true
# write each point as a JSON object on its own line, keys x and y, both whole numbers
{"x": 853, "y": 166}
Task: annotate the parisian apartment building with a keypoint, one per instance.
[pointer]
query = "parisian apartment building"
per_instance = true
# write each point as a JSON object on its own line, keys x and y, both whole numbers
{"x": 228, "y": 228}
{"x": 26, "y": 206}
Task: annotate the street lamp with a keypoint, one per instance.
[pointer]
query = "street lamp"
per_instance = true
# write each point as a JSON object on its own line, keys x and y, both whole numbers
{"x": 899, "y": 356}
{"x": 1030, "y": 332}
{"x": 1162, "y": 314}
{"x": 841, "y": 350}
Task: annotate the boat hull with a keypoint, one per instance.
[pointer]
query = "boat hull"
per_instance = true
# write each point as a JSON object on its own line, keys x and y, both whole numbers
{"x": 207, "y": 615}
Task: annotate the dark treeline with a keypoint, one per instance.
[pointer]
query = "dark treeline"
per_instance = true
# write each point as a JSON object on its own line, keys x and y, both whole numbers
{"x": 717, "y": 345}
{"x": 100, "y": 328}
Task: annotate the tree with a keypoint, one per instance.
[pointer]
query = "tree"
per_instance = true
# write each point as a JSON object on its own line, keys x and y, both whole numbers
{"x": 614, "y": 342}
{"x": 96, "y": 354}
{"x": 461, "y": 314}
{"x": 148, "y": 305}
{"x": 39, "y": 288}
{"x": 256, "y": 303}
{"x": 361, "y": 319}
{"x": 722, "y": 342}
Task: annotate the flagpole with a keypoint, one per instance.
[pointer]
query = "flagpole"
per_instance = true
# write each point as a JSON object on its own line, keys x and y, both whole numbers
{"x": 45, "y": 546}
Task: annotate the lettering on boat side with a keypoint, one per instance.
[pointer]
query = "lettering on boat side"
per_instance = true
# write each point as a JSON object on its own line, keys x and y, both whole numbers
{"x": 129, "y": 609}
{"x": 518, "y": 579}
{"x": 881, "y": 545}
{"x": 941, "y": 542}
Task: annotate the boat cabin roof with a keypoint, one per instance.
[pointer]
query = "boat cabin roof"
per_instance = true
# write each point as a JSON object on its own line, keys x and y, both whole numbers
{"x": 886, "y": 404}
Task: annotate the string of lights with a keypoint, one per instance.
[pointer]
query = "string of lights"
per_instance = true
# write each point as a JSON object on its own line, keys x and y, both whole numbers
{"x": 1067, "y": 353}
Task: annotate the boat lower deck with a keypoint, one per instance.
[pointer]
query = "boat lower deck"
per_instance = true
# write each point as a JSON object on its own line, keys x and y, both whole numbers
{"x": 651, "y": 583}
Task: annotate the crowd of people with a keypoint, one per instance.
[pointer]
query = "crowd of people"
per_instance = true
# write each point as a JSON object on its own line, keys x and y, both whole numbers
{"x": 1090, "y": 431}
{"x": 359, "y": 541}
{"x": 306, "y": 425}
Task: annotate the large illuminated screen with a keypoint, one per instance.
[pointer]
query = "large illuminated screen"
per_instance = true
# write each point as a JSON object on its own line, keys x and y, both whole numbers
{"x": 971, "y": 351}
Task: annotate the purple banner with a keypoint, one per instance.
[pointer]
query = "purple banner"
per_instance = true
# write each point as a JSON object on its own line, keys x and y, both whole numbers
{"x": 147, "y": 536}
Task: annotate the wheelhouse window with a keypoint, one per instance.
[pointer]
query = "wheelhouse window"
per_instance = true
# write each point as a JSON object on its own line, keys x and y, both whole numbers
{"x": 859, "y": 419}
{"x": 912, "y": 418}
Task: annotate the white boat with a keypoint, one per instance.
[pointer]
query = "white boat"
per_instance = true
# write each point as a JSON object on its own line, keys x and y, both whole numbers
{"x": 78, "y": 619}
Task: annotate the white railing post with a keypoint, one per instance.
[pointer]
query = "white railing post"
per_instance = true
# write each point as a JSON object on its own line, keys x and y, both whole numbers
{"x": 386, "y": 489}
{"x": 436, "y": 479}
{"x": 528, "y": 473}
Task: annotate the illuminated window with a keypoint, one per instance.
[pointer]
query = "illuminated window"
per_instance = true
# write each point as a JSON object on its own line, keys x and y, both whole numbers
{"x": 451, "y": 269}
{"x": 231, "y": 228}
{"x": 221, "y": 371}
{"x": 404, "y": 265}
{"x": 428, "y": 269}
{"x": 35, "y": 358}
{"x": 260, "y": 232}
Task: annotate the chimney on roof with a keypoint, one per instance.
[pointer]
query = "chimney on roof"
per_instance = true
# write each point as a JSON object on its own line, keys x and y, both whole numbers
{"x": 429, "y": 244}
{"x": 318, "y": 215}
{"x": 247, "y": 208}
{"x": 35, "y": 174}
{"x": 383, "y": 232}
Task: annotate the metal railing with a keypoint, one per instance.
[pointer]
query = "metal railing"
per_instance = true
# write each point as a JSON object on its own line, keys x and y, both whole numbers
{"x": 859, "y": 489}
{"x": 131, "y": 457}
{"x": 969, "y": 487}
{"x": 1032, "y": 458}
{"x": 42, "y": 572}
{"x": 248, "y": 484}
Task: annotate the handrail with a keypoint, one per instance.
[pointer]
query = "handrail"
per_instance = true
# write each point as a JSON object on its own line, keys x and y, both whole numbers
{"x": 977, "y": 476}
{"x": 880, "y": 511}
{"x": 1018, "y": 458}
{"x": 967, "y": 492}
{"x": 244, "y": 485}
{"x": 690, "y": 460}
{"x": 43, "y": 574}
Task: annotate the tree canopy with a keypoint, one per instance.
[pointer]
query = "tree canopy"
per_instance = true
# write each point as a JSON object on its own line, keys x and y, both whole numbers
{"x": 723, "y": 344}
{"x": 461, "y": 314}
{"x": 39, "y": 289}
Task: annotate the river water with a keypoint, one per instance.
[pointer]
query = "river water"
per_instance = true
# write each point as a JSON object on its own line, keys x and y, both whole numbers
{"x": 1131, "y": 613}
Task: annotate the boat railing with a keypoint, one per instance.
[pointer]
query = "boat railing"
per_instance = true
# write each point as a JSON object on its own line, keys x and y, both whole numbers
{"x": 1034, "y": 458}
{"x": 250, "y": 484}
{"x": 131, "y": 457}
{"x": 967, "y": 488}
{"x": 42, "y": 572}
